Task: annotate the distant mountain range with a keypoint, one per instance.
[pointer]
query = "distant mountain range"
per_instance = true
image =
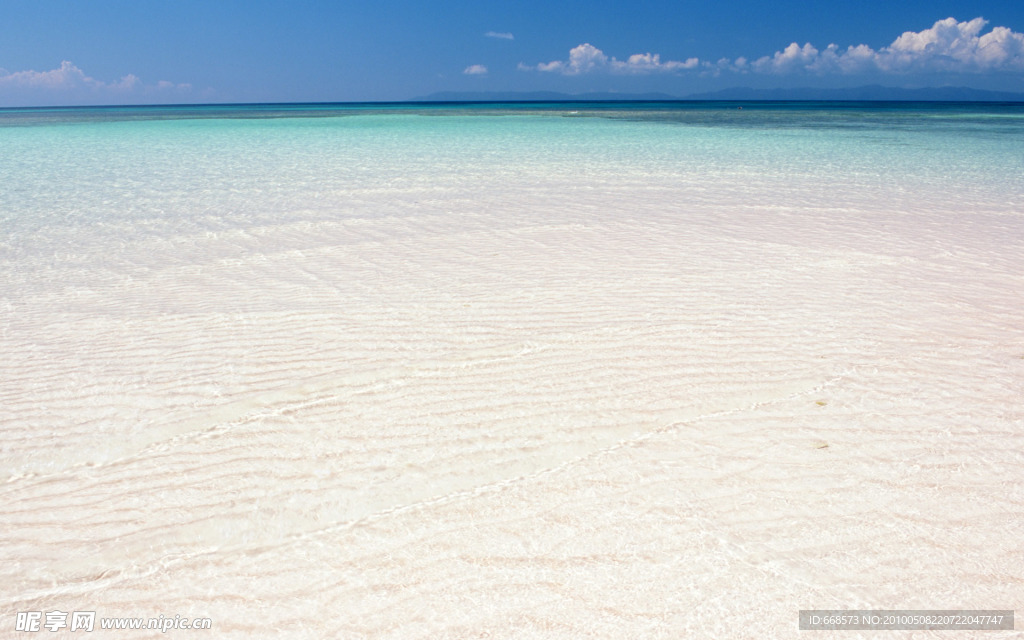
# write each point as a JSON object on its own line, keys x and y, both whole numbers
{"x": 535, "y": 96}
{"x": 870, "y": 92}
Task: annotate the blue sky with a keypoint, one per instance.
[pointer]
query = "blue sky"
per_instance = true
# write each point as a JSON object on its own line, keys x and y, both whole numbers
{"x": 148, "y": 51}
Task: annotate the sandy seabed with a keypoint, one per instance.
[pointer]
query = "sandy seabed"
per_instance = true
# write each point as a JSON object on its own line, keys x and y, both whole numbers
{"x": 641, "y": 425}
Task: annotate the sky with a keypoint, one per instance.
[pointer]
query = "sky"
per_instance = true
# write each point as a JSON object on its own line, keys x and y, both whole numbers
{"x": 70, "y": 52}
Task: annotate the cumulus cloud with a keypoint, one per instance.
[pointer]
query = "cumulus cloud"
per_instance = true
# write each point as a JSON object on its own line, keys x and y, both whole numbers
{"x": 947, "y": 46}
{"x": 66, "y": 76}
{"x": 587, "y": 58}
{"x": 791, "y": 58}
{"x": 500, "y": 35}
{"x": 68, "y": 83}
{"x": 648, "y": 63}
{"x": 475, "y": 70}
{"x": 582, "y": 59}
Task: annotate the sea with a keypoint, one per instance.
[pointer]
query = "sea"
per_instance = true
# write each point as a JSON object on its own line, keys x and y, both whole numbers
{"x": 509, "y": 370}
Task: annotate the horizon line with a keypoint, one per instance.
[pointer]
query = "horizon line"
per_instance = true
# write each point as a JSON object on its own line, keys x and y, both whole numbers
{"x": 569, "y": 99}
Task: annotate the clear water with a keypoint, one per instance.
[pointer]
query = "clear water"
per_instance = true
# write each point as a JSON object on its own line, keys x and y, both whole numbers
{"x": 114, "y": 189}
{"x": 102, "y": 177}
{"x": 511, "y": 370}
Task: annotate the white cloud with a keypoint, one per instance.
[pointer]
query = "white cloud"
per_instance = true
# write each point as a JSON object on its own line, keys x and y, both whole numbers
{"x": 791, "y": 58}
{"x": 947, "y": 46}
{"x": 583, "y": 59}
{"x": 649, "y": 63}
{"x": 475, "y": 70}
{"x": 68, "y": 83}
{"x": 500, "y": 35}
{"x": 587, "y": 58}
{"x": 67, "y": 76}
{"x": 165, "y": 85}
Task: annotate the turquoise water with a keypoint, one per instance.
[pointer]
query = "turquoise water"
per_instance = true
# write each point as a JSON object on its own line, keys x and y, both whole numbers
{"x": 247, "y": 164}
{"x": 104, "y": 187}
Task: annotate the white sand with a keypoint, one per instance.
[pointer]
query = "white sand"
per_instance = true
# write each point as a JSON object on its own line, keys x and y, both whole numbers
{"x": 472, "y": 425}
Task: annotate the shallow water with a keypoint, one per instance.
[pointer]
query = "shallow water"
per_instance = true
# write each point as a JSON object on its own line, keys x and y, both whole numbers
{"x": 564, "y": 370}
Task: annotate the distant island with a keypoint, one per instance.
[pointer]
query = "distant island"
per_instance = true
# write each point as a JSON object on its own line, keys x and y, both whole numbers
{"x": 869, "y": 92}
{"x": 535, "y": 96}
